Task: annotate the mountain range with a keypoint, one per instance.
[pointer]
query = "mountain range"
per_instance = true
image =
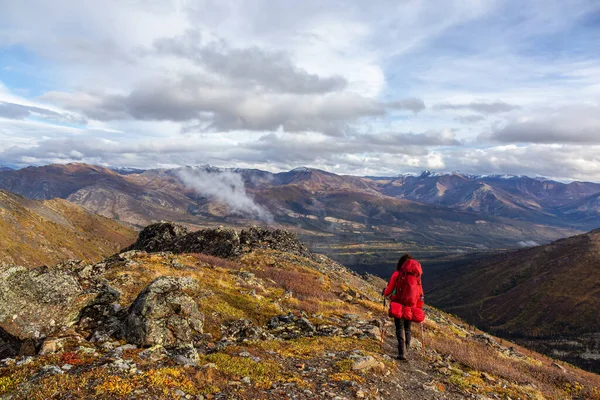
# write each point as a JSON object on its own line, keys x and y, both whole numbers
{"x": 448, "y": 210}
{"x": 546, "y": 297}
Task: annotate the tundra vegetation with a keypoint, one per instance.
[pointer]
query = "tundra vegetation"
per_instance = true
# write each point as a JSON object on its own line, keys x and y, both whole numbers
{"x": 275, "y": 323}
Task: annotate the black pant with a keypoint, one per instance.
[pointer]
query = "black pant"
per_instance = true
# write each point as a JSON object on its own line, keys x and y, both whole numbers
{"x": 403, "y": 333}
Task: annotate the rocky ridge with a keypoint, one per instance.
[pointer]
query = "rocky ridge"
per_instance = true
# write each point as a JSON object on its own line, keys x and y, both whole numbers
{"x": 220, "y": 242}
{"x": 263, "y": 322}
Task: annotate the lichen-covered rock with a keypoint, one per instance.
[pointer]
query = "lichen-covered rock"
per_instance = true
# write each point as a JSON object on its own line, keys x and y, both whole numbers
{"x": 35, "y": 303}
{"x": 157, "y": 237}
{"x": 164, "y": 314}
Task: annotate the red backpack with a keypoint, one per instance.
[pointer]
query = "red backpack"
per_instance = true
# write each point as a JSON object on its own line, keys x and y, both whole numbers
{"x": 408, "y": 285}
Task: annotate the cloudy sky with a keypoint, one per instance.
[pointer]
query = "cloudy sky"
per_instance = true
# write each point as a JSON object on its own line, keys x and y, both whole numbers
{"x": 357, "y": 87}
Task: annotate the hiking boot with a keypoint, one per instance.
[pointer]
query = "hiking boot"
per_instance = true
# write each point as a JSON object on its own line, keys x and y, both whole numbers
{"x": 401, "y": 351}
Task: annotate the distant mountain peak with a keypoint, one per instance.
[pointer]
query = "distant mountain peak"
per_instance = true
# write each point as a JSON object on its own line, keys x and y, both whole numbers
{"x": 203, "y": 167}
{"x": 434, "y": 174}
{"x": 301, "y": 169}
{"x": 127, "y": 170}
{"x": 429, "y": 174}
{"x": 507, "y": 177}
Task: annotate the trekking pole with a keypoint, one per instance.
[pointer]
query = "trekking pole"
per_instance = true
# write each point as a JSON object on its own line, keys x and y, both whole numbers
{"x": 422, "y": 337}
{"x": 383, "y": 325}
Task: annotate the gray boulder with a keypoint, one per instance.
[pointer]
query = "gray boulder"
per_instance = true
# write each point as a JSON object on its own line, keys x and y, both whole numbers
{"x": 35, "y": 303}
{"x": 164, "y": 314}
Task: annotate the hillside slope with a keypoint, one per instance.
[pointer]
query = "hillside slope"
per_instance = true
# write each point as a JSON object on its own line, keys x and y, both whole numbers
{"x": 46, "y": 232}
{"x": 550, "y": 291}
{"x": 269, "y": 320}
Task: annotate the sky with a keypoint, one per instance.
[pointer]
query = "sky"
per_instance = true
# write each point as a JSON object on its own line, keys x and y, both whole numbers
{"x": 353, "y": 87}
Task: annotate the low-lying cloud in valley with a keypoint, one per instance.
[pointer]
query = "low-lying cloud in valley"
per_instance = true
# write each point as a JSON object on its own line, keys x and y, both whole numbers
{"x": 227, "y": 188}
{"x": 528, "y": 243}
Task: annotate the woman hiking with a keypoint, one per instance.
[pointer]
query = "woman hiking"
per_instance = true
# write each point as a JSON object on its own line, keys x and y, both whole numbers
{"x": 406, "y": 293}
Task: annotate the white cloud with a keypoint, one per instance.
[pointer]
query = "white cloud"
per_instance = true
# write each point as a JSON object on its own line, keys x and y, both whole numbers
{"x": 225, "y": 187}
{"x": 357, "y": 87}
{"x": 570, "y": 124}
{"x": 528, "y": 243}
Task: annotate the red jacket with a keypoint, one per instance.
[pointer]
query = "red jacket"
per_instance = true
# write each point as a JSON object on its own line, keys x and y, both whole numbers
{"x": 410, "y": 267}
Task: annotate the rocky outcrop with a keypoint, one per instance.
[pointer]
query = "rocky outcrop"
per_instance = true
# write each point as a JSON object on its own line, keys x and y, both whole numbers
{"x": 220, "y": 242}
{"x": 164, "y": 314}
{"x": 275, "y": 239}
{"x": 157, "y": 237}
{"x": 224, "y": 243}
{"x": 35, "y": 303}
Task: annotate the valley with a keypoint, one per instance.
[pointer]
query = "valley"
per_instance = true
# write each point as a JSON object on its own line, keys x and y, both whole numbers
{"x": 545, "y": 297}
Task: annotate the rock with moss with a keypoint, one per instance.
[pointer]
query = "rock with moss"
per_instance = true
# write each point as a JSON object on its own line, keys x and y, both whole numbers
{"x": 36, "y": 303}
{"x": 164, "y": 313}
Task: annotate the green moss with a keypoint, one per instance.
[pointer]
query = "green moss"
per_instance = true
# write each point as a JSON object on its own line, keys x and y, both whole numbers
{"x": 8, "y": 384}
{"x": 116, "y": 386}
{"x": 239, "y": 367}
{"x": 346, "y": 376}
{"x": 165, "y": 379}
{"x": 344, "y": 366}
{"x": 262, "y": 373}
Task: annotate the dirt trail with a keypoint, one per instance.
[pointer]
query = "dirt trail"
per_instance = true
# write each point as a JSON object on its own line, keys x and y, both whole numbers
{"x": 415, "y": 379}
